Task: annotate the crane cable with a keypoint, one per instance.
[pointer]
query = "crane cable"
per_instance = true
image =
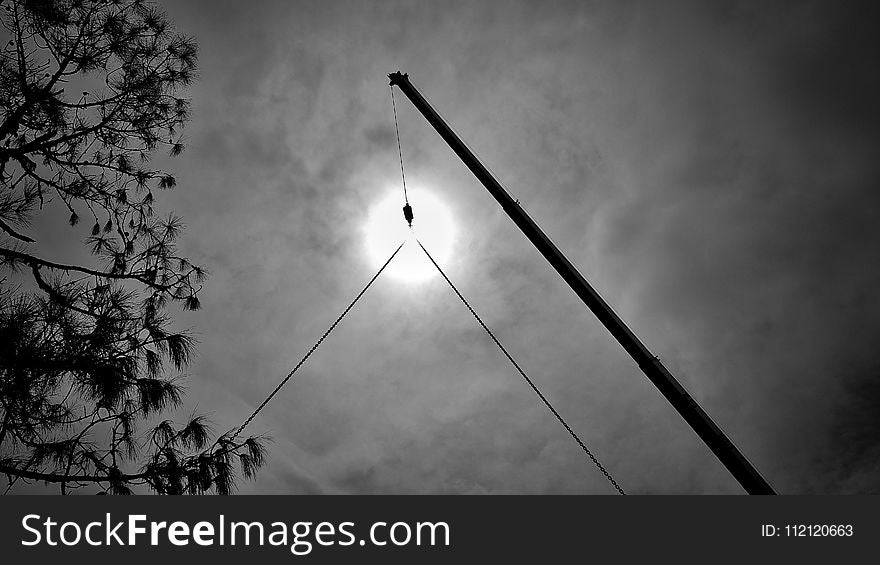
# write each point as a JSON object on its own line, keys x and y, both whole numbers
{"x": 314, "y": 347}
{"x": 399, "y": 150}
{"x": 526, "y": 377}
{"x": 463, "y": 300}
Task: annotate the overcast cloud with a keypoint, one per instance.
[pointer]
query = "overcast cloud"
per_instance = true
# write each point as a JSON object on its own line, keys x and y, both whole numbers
{"x": 712, "y": 168}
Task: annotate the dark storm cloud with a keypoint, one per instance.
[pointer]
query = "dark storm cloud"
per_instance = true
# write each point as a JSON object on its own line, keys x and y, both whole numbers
{"x": 711, "y": 168}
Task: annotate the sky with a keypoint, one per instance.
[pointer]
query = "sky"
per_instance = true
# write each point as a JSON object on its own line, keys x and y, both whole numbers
{"x": 711, "y": 168}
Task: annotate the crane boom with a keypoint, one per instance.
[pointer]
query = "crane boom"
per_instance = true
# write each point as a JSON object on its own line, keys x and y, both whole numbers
{"x": 723, "y": 448}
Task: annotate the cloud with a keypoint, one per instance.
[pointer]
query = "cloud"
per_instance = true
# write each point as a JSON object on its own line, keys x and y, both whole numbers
{"x": 711, "y": 169}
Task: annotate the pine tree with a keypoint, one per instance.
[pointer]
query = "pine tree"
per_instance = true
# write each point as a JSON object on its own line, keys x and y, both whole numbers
{"x": 89, "y": 91}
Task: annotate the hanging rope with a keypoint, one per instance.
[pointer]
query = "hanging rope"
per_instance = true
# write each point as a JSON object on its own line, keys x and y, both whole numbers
{"x": 399, "y": 150}
{"x": 314, "y": 347}
{"x": 526, "y": 377}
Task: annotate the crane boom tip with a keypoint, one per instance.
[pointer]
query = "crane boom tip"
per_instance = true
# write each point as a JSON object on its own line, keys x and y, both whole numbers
{"x": 397, "y": 77}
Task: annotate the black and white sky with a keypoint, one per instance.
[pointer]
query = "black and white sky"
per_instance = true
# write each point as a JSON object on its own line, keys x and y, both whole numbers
{"x": 711, "y": 167}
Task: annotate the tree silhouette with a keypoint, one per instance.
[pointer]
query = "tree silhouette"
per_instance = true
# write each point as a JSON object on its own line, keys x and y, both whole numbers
{"x": 89, "y": 91}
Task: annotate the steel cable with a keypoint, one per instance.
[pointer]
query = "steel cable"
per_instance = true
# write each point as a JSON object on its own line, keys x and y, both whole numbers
{"x": 526, "y": 377}
{"x": 399, "y": 150}
{"x": 314, "y": 347}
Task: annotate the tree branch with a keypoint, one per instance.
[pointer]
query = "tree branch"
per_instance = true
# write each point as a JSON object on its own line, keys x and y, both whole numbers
{"x": 31, "y": 260}
{"x": 59, "y": 478}
{"x": 8, "y": 229}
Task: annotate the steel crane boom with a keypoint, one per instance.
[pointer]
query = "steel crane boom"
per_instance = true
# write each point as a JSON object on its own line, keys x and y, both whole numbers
{"x": 723, "y": 448}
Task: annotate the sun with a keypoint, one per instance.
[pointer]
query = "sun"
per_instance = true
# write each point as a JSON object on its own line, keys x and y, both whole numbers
{"x": 386, "y": 228}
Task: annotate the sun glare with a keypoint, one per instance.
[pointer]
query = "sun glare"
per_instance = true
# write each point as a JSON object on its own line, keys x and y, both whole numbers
{"x": 386, "y": 228}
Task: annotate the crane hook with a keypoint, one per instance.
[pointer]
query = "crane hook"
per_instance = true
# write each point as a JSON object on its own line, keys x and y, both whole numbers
{"x": 408, "y": 214}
